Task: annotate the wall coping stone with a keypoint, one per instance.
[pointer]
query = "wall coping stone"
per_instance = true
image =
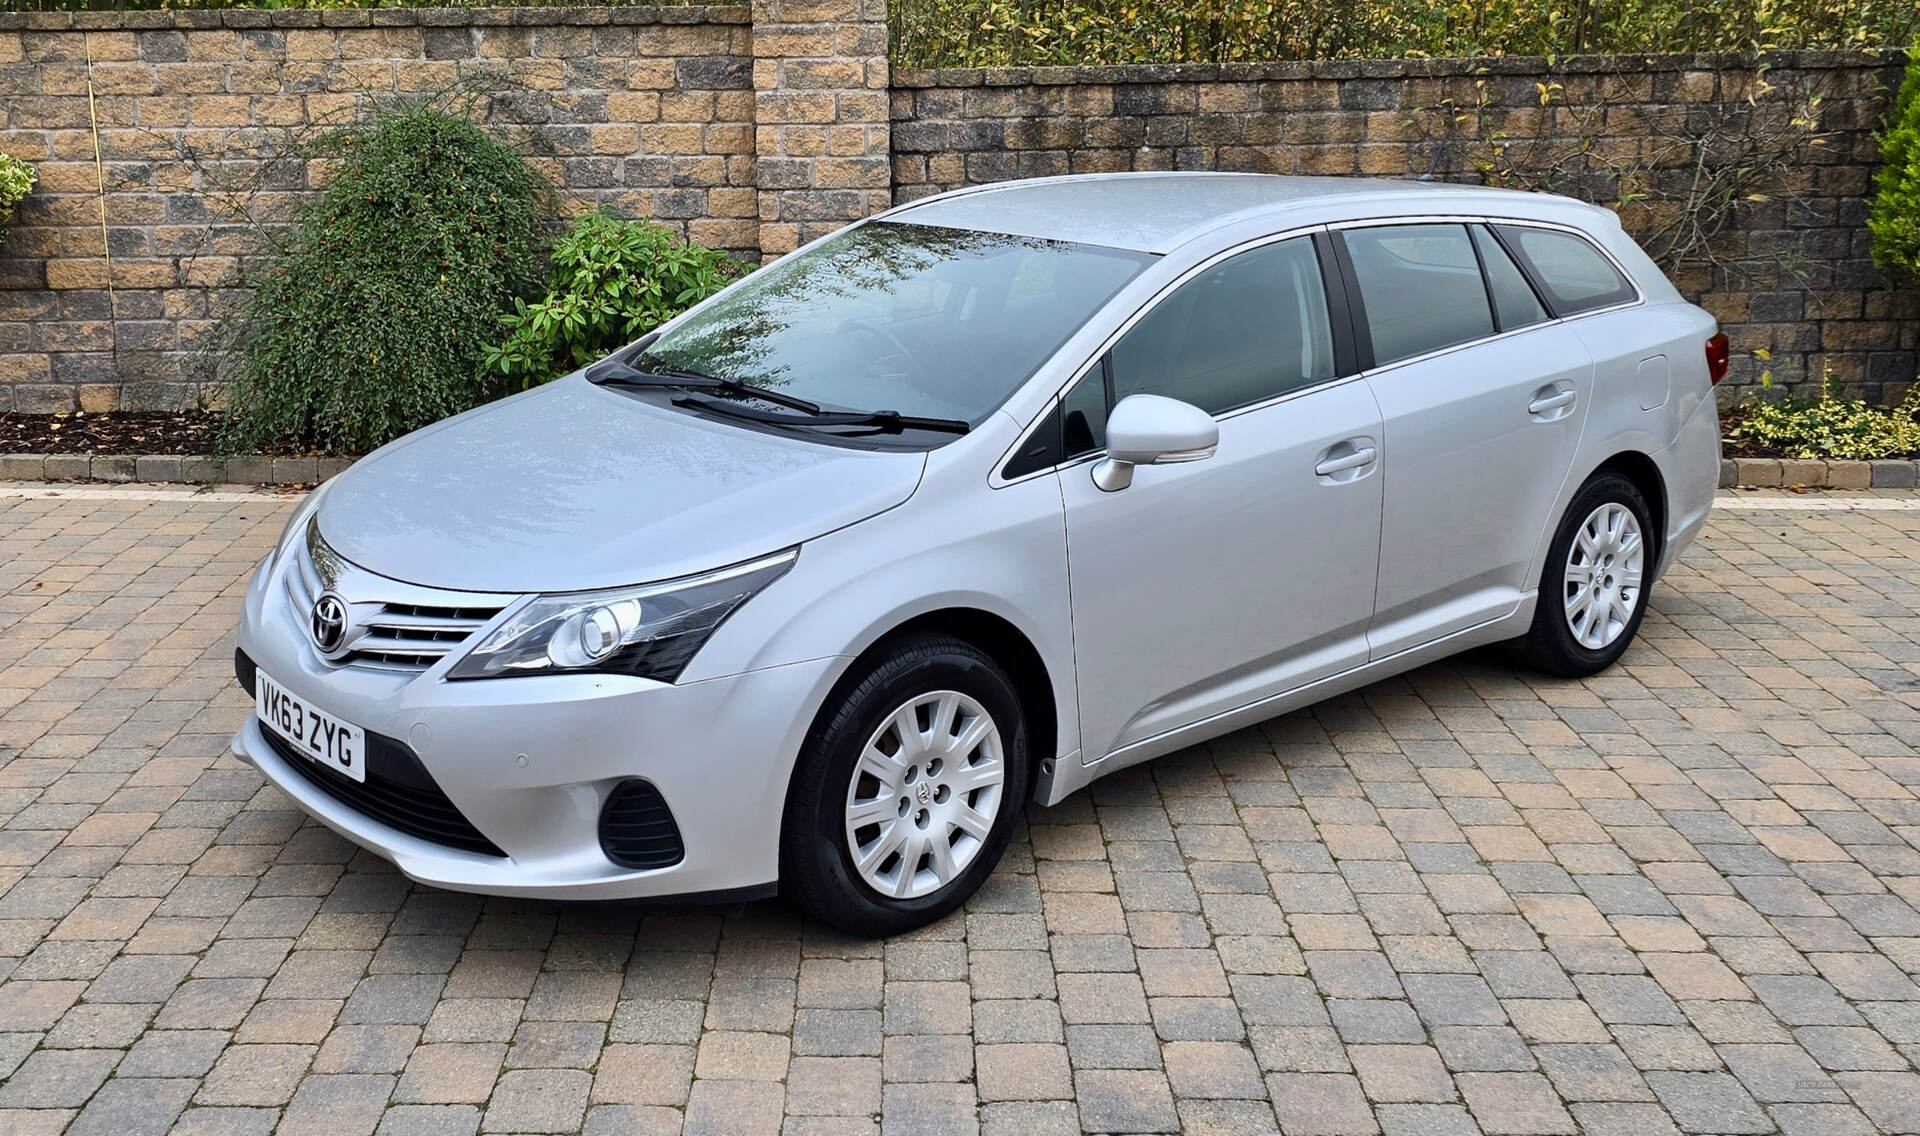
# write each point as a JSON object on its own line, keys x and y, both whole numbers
{"x": 1054, "y": 76}
{"x": 250, "y": 18}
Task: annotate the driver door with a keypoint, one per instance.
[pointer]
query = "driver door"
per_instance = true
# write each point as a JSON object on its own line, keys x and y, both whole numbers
{"x": 1203, "y": 587}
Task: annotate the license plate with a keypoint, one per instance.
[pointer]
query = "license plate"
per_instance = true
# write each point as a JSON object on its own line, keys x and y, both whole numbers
{"x": 317, "y": 734}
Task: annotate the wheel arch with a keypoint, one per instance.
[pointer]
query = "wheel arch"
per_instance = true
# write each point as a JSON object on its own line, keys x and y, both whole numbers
{"x": 1641, "y": 469}
{"x": 1002, "y": 641}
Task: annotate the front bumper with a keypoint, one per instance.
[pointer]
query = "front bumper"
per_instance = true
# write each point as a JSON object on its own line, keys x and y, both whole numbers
{"x": 530, "y": 762}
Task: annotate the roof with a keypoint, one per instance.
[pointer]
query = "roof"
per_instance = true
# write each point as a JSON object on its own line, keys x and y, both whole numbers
{"x": 1157, "y": 212}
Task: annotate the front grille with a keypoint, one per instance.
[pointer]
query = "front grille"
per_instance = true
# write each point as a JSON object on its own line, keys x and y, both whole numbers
{"x": 396, "y": 626}
{"x": 398, "y": 792}
{"x": 415, "y": 636}
{"x": 637, "y": 829}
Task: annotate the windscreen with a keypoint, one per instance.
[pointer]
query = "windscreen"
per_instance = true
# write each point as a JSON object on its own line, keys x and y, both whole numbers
{"x": 940, "y": 323}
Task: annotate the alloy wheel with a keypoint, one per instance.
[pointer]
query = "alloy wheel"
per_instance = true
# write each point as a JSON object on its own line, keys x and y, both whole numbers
{"x": 1605, "y": 567}
{"x": 925, "y": 792}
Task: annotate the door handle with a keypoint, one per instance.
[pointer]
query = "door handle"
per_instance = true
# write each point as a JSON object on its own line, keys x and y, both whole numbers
{"x": 1362, "y": 456}
{"x": 1546, "y": 403}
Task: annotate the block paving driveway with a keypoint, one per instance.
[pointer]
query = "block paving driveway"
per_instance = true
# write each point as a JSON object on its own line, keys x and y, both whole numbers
{"x": 1681, "y": 896}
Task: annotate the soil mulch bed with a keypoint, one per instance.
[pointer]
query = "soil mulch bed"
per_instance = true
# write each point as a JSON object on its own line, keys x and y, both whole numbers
{"x": 185, "y": 432}
{"x": 1730, "y": 419}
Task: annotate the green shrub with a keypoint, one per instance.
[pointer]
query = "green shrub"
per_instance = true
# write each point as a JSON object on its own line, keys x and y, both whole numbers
{"x": 612, "y": 282}
{"x": 1895, "y": 217}
{"x": 978, "y": 33}
{"x": 369, "y": 321}
{"x": 1830, "y": 427}
{"x": 16, "y": 181}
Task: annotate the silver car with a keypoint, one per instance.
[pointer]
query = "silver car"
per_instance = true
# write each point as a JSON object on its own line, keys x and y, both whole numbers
{"x": 973, "y": 502}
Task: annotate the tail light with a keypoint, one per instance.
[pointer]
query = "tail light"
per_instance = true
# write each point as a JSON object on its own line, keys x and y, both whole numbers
{"x": 1719, "y": 354}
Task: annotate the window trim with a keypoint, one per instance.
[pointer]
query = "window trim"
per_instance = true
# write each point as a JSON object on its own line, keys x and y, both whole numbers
{"x": 1345, "y": 369}
{"x": 1371, "y": 368}
{"x": 1493, "y": 303}
{"x": 1540, "y": 290}
{"x": 1359, "y": 363}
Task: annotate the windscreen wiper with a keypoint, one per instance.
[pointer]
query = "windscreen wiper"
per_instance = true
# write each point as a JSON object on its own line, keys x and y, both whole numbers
{"x": 887, "y": 421}
{"x": 620, "y": 374}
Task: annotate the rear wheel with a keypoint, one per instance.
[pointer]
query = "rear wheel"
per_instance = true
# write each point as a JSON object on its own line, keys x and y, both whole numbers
{"x": 1593, "y": 590}
{"x": 908, "y": 790}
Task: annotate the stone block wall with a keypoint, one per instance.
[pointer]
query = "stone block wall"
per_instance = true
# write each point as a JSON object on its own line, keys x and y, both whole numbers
{"x": 758, "y": 126}
{"x": 646, "y": 111}
{"x": 1795, "y": 277}
{"x": 821, "y": 116}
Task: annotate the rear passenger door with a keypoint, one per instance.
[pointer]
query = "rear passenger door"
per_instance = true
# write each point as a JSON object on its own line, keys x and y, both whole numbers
{"x": 1482, "y": 397}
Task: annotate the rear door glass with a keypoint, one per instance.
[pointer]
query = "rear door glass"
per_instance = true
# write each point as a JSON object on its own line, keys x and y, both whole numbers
{"x": 1420, "y": 288}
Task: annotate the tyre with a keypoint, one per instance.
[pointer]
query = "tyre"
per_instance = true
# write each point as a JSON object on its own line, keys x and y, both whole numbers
{"x": 1593, "y": 589}
{"x": 907, "y": 790}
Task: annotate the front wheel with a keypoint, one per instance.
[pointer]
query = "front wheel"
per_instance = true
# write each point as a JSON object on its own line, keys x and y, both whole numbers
{"x": 908, "y": 789}
{"x": 1593, "y": 591}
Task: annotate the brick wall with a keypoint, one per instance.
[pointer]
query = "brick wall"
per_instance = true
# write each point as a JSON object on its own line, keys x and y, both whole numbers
{"x": 755, "y": 127}
{"x": 648, "y": 111}
{"x": 1796, "y": 279}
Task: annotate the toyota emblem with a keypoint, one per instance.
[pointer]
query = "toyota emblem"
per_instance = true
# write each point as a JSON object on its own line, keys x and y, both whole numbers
{"x": 329, "y": 623}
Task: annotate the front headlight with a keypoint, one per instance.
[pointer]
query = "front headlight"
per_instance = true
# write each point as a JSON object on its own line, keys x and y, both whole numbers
{"x": 297, "y": 524}
{"x": 650, "y": 631}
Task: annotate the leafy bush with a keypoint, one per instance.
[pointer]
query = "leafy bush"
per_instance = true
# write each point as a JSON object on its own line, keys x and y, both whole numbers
{"x": 369, "y": 322}
{"x": 121, "y": 5}
{"x": 1828, "y": 427}
{"x": 1895, "y": 217}
{"x": 977, "y": 33}
{"x": 612, "y": 282}
{"x": 16, "y": 181}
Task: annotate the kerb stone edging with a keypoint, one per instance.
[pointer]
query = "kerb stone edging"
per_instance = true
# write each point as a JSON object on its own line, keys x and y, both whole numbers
{"x": 1773, "y": 473}
{"x": 246, "y": 469}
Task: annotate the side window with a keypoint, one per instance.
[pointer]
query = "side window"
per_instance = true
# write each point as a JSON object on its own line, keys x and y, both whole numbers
{"x": 1420, "y": 287}
{"x": 1577, "y": 277}
{"x": 1247, "y": 329}
{"x": 1514, "y": 303}
{"x": 1083, "y": 416}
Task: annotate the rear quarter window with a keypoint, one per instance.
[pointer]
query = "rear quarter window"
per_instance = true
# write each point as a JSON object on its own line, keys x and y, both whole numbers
{"x": 1575, "y": 275}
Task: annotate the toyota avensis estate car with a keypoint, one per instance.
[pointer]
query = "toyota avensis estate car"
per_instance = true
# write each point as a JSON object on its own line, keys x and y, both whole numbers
{"x": 973, "y": 502}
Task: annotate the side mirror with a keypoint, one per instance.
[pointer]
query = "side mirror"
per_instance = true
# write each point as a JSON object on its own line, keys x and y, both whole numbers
{"x": 1149, "y": 429}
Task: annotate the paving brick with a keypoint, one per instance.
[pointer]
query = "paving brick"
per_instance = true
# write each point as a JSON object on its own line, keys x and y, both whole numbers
{"x": 1708, "y": 1102}
{"x": 256, "y": 1075}
{"x": 1320, "y": 1104}
{"x": 931, "y": 1108}
{"x": 1402, "y": 1073}
{"x": 834, "y": 1086}
{"x": 1693, "y": 958}
{"x": 337, "y": 1104}
{"x": 450, "y": 1073}
{"x": 1514, "y": 1103}
{"x": 538, "y": 1100}
{"x": 55, "y": 1079}
{"x": 1124, "y": 1100}
{"x": 133, "y": 1106}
